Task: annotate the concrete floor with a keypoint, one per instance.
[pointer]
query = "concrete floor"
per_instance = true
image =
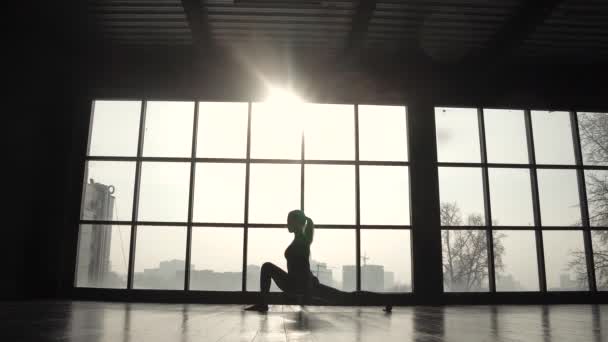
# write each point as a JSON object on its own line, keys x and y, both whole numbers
{"x": 121, "y": 322}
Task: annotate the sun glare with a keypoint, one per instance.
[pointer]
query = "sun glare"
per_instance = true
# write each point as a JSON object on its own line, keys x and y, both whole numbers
{"x": 282, "y": 96}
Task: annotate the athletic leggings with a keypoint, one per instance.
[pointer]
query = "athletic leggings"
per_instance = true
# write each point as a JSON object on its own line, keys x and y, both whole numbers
{"x": 287, "y": 284}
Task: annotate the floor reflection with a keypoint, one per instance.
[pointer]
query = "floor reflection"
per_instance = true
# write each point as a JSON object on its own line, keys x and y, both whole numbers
{"x": 102, "y": 322}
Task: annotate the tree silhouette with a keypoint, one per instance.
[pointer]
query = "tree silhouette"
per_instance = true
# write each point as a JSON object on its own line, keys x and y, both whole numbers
{"x": 465, "y": 256}
{"x": 593, "y": 129}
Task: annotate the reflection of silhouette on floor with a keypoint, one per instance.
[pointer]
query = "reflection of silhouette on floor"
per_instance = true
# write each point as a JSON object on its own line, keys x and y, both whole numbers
{"x": 299, "y": 280}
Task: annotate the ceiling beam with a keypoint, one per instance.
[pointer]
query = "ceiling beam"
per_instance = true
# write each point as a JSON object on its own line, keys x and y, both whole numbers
{"x": 359, "y": 25}
{"x": 196, "y": 15}
{"x": 514, "y": 32}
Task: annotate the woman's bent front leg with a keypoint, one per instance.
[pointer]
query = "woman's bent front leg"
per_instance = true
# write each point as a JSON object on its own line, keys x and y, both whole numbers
{"x": 270, "y": 272}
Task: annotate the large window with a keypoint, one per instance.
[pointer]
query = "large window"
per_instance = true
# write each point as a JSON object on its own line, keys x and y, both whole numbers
{"x": 195, "y": 195}
{"x": 519, "y": 194}
{"x": 186, "y": 195}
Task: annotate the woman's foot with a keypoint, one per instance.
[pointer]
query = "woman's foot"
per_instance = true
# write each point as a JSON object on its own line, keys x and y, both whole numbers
{"x": 257, "y": 307}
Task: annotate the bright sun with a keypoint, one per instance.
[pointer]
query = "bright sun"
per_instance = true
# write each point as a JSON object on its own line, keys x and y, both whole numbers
{"x": 282, "y": 96}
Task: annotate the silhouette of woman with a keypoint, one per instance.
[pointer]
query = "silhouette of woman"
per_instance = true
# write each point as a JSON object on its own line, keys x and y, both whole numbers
{"x": 298, "y": 279}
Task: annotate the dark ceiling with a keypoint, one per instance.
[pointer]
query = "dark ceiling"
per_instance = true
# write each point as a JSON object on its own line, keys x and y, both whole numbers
{"x": 443, "y": 31}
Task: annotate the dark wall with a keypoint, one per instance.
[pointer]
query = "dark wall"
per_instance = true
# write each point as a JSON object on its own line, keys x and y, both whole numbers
{"x": 65, "y": 67}
{"x": 46, "y": 91}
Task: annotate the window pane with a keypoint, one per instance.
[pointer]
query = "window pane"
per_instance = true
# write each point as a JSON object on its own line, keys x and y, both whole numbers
{"x": 329, "y": 131}
{"x": 159, "y": 258}
{"x": 103, "y": 256}
{"x": 265, "y": 245}
{"x": 168, "y": 130}
{"x": 558, "y": 195}
{"x": 332, "y": 255}
{"x": 565, "y": 263}
{"x": 385, "y": 195}
{"x": 383, "y": 133}
{"x": 465, "y": 260}
{"x": 329, "y": 193}
{"x": 461, "y": 195}
{"x": 387, "y": 260}
{"x": 597, "y": 197}
{"x": 163, "y": 194}
{"x": 276, "y": 131}
{"x": 219, "y": 192}
{"x": 552, "y": 137}
{"x": 506, "y": 136}
{"x": 515, "y": 262}
{"x": 599, "y": 240}
{"x": 274, "y": 191}
{"x": 217, "y": 259}
{"x": 115, "y": 128}
{"x": 222, "y": 130}
{"x": 457, "y": 135}
{"x": 511, "y": 197}
{"x": 108, "y": 191}
{"x": 593, "y": 131}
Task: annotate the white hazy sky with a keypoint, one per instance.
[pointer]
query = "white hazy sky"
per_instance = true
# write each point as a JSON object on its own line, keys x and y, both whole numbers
{"x": 330, "y": 190}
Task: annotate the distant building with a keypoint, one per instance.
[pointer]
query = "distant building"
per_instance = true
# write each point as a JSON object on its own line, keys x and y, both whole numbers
{"x": 168, "y": 275}
{"x": 322, "y": 272}
{"x": 372, "y": 277}
{"x": 253, "y": 278}
{"x": 389, "y": 280}
{"x": 94, "y": 241}
{"x": 508, "y": 283}
{"x": 349, "y": 277}
{"x": 209, "y": 280}
{"x": 567, "y": 284}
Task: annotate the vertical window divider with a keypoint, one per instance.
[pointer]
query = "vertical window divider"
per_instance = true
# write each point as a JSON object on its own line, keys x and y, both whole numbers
{"x": 357, "y": 200}
{"x": 246, "y": 211}
{"x": 302, "y": 158}
{"x": 191, "y": 199}
{"x": 134, "y": 213}
{"x": 486, "y": 199}
{"x": 85, "y": 177}
{"x": 540, "y": 253}
{"x": 582, "y": 193}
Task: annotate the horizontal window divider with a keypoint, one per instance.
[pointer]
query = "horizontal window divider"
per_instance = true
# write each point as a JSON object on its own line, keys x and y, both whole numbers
{"x": 218, "y": 225}
{"x": 245, "y": 160}
{"x": 335, "y": 226}
{"x": 275, "y": 161}
{"x": 220, "y": 160}
{"x": 384, "y": 163}
{"x": 160, "y": 223}
{"x": 514, "y": 228}
{"x": 167, "y": 159}
{"x": 268, "y": 225}
{"x": 317, "y": 226}
{"x": 557, "y": 167}
{"x": 479, "y": 164}
{"x": 580, "y": 228}
{"x": 109, "y": 158}
{"x": 464, "y": 227}
{"x": 521, "y": 166}
{"x": 142, "y": 159}
{"x": 259, "y": 225}
{"x": 384, "y": 226}
{"x": 108, "y": 222}
{"x": 330, "y": 162}
{"x": 595, "y": 167}
{"x": 564, "y": 228}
